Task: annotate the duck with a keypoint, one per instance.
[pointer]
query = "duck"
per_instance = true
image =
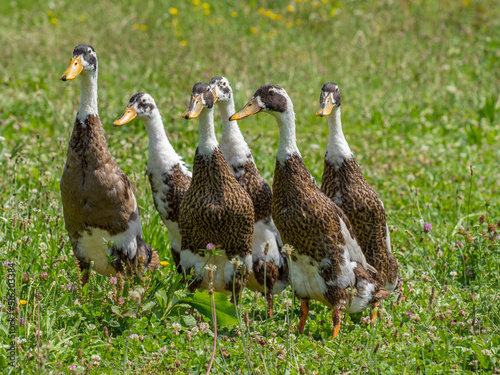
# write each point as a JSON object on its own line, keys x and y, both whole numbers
{"x": 215, "y": 212}
{"x": 344, "y": 183}
{"x": 270, "y": 266}
{"x": 327, "y": 264}
{"x": 100, "y": 210}
{"x": 168, "y": 175}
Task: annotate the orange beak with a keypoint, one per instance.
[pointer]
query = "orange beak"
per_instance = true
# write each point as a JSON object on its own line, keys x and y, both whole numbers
{"x": 251, "y": 108}
{"x": 325, "y": 107}
{"x": 127, "y": 116}
{"x": 75, "y": 67}
{"x": 195, "y": 107}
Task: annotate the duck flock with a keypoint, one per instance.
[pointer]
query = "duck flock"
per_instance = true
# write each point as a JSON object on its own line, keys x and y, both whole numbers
{"x": 331, "y": 244}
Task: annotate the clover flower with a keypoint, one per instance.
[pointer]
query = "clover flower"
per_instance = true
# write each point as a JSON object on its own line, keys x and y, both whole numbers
{"x": 427, "y": 227}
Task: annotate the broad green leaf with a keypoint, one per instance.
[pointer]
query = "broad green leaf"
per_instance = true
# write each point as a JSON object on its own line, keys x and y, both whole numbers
{"x": 148, "y": 306}
{"x": 202, "y": 301}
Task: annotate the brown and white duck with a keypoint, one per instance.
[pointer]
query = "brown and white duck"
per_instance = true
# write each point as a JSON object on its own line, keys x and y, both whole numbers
{"x": 327, "y": 259}
{"x": 344, "y": 182}
{"x": 270, "y": 266}
{"x": 215, "y": 209}
{"x": 100, "y": 209}
{"x": 168, "y": 176}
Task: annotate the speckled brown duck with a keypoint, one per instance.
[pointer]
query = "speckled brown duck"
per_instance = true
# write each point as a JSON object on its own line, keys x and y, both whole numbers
{"x": 327, "y": 262}
{"x": 215, "y": 209}
{"x": 270, "y": 266}
{"x": 98, "y": 200}
{"x": 345, "y": 184}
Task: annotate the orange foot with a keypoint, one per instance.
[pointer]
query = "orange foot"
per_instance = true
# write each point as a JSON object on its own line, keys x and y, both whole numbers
{"x": 304, "y": 309}
{"x": 337, "y": 318}
{"x": 374, "y": 311}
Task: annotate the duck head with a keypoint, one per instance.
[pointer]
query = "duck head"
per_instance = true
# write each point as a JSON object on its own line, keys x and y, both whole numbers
{"x": 221, "y": 88}
{"x": 141, "y": 105}
{"x": 330, "y": 98}
{"x": 268, "y": 98}
{"x": 201, "y": 97}
{"x": 84, "y": 59}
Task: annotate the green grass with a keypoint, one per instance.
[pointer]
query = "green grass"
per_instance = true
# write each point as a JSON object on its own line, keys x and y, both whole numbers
{"x": 421, "y": 108}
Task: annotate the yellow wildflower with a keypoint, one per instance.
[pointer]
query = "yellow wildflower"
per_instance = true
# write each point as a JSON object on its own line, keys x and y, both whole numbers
{"x": 206, "y": 11}
{"x": 23, "y": 302}
{"x": 49, "y": 13}
{"x": 298, "y": 22}
{"x": 174, "y": 11}
{"x": 53, "y": 20}
{"x": 268, "y": 13}
{"x": 253, "y": 30}
{"x": 136, "y": 26}
{"x": 144, "y": 27}
{"x": 333, "y": 13}
{"x": 234, "y": 14}
{"x": 175, "y": 23}
{"x": 291, "y": 8}
{"x": 164, "y": 262}
{"x": 278, "y": 16}
{"x": 183, "y": 43}
{"x": 82, "y": 18}
{"x": 289, "y": 23}
{"x": 205, "y": 5}
{"x": 196, "y": 2}
{"x": 261, "y": 10}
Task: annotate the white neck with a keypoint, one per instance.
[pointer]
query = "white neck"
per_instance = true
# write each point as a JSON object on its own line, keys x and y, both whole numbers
{"x": 337, "y": 150}
{"x": 88, "y": 100}
{"x": 162, "y": 155}
{"x": 288, "y": 143}
{"x": 208, "y": 141}
{"x": 232, "y": 143}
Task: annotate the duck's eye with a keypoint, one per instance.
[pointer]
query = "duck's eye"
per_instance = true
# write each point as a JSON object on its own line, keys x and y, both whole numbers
{"x": 144, "y": 100}
{"x": 89, "y": 51}
{"x": 223, "y": 83}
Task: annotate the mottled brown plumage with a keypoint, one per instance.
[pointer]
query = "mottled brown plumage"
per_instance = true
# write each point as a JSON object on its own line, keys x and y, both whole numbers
{"x": 326, "y": 260}
{"x": 270, "y": 267}
{"x": 215, "y": 209}
{"x": 256, "y": 187}
{"x": 345, "y": 184}
{"x": 99, "y": 205}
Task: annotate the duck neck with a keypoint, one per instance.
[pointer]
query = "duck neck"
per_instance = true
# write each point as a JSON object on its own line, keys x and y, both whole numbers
{"x": 88, "y": 101}
{"x": 160, "y": 149}
{"x": 208, "y": 141}
{"x": 338, "y": 149}
{"x": 288, "y": 143}
{"x": 233, "y": 145}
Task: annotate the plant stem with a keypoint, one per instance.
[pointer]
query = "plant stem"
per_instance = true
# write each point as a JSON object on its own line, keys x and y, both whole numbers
{"x": 214, "y": 318}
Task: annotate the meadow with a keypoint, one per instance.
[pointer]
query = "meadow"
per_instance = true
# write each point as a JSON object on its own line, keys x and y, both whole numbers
{"x": 421, "y": 110}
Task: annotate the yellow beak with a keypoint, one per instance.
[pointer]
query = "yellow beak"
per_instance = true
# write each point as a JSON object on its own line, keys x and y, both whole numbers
{"x": 251, "y": 108}
{"x": 75, "y": 67}
{"x": 127, "y": 116}
{"x": 215, "y": 96}
{"x": 325, "y": 108}
{"x": 194, "y": 109}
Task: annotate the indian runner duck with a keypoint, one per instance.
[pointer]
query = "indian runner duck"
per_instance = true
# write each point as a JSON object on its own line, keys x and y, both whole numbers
{"x": 168, "y": 176}
{"x": 326, "y": 260}
{"x": 344, "y": 182}
{"x": 215, "y": 211}
{"x": 100, "y": 209}
{"x": 270, "y": 265}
